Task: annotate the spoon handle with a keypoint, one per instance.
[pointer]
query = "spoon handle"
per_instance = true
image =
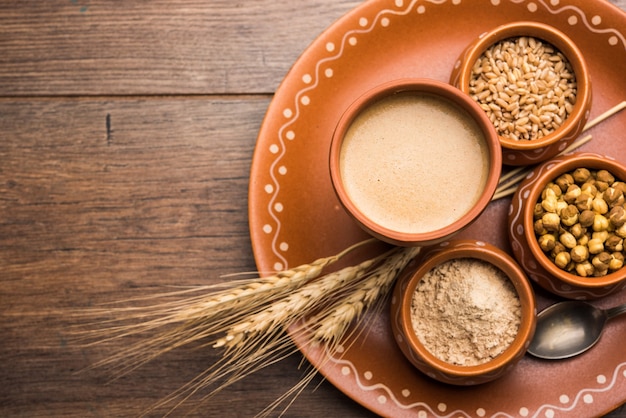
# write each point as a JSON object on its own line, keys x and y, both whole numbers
{"x": 615, "y": 311}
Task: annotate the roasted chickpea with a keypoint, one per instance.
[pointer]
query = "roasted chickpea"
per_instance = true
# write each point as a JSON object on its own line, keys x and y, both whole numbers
{"x": 580, "y": 222}
{"x": 581, "y": 175}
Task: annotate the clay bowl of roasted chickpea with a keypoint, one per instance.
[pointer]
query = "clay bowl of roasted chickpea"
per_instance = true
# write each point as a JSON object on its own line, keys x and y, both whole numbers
{"x": 567, "y": 225}
{"x": 533, "y": 83}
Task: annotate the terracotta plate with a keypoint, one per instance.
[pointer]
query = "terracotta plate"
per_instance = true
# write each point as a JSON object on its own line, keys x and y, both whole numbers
{"x": 296, "y": 218}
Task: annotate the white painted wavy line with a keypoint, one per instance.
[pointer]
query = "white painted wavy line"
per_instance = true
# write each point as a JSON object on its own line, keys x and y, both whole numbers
{"x": 297, "y": 111}
{"x": 583, "y": 393}
{"x": 541, "y": 410}
{"x": 391, "y": 395}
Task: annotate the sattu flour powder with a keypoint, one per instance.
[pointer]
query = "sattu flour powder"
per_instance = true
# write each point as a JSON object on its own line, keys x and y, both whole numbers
{"x": 465, "y": 311}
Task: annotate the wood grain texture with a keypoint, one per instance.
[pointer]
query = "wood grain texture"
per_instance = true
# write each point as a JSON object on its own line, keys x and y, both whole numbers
{"x": 102, "y": 200}
{"x": 126, "y": 134}
{"x": 157, "y": 47}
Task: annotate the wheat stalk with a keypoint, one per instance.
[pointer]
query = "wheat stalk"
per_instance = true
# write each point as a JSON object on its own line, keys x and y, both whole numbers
{"x": 509, "y": 181}
{"x": 257, "y": 340}
{"x": 246, "y": 318}
{"x": 330, "y": 325}
{"x": 214, "y": 306}
{"x": 286, "y": 311}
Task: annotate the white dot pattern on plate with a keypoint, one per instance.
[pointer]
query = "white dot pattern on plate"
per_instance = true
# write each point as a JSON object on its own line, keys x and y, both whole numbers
{"x": 311, "y": 80}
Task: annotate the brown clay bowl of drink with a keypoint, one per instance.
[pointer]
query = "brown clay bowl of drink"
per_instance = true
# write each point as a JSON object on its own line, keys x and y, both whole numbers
{"x": 414, "y": 161}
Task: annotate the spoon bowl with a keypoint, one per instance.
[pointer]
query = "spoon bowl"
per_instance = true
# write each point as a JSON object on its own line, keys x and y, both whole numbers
{"x": 569, "y": 328}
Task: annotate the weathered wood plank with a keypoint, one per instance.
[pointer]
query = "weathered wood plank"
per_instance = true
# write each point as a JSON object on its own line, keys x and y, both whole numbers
{"x": 105, "y": 199}
{"x": 157, "y": 47}
{"x": 90, "y": 182}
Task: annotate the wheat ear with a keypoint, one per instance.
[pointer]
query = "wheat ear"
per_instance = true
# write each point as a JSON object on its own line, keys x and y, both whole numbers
{"x": 284, "y": 312}
{"x": 329, "y": 326}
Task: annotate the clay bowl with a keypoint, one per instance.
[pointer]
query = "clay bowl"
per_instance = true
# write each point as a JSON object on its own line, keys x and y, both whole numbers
{"x": 433, "y": 365}
{"x": 533, "y": 151}
{"x": 374, "y": 173}
{"x": 539, "y": 267}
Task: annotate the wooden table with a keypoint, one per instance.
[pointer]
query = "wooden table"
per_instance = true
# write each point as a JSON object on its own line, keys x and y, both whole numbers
{"x": 126, "y": 135}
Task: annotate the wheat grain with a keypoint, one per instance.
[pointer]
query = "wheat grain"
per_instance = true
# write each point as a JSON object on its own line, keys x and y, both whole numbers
{"x": 516, "y": 72}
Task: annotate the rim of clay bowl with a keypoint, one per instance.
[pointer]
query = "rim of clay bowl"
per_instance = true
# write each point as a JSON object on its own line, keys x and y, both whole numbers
{"x": 445, "y": 91}
{"x": 548, "y": 171}
{"x": 497, "y": 257}
{"x": 560, "y": 41}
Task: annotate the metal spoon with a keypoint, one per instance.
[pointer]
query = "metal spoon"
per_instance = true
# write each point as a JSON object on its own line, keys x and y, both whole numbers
{"x": 569, "y": 328}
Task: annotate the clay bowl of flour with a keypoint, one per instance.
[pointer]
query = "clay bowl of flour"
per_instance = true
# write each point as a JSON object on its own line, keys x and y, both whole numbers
{"x": 533, "y": 82}
{"x": 414, "y": 161}
{"x": 463, "y": 313}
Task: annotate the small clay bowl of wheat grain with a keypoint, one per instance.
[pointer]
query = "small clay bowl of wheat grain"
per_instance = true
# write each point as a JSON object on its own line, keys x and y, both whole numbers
{"x": 464, "y": 313}
{"x": 533, "y": 83}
